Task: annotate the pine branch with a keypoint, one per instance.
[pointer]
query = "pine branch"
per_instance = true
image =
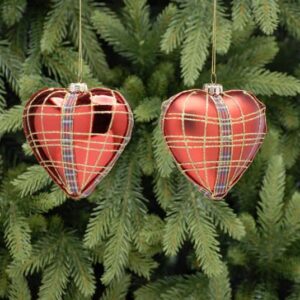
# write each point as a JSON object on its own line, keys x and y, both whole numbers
{"x": 289, "y": 266}
{"x": 203, "y": 235}
{"x": 148, "y": 110}
{"x": 161, "y": 78}
{"x": 18, "y": 289}
{"x": 174, "y": 35}
{"x": 164, "y": 190}
{"x": 175, "y": 287}
{"x": 109, "y": 196}
{"x": 127, "y": 220}
{"x": 241, "y": 13}
{"x": 34, "y": 179}
{"x": 100, "y": 223}
{"x": 26, "y": 149}
{"x": 11, "y": 120}
{"x": 141, "y": 265}
{"x": 12, "y": 11}
{"x": 145, "y": 154}
{"x": 154, "y": 290}
{"x": 175, "y": 228}
{"x": 290, "y": 146}
{"x": 188, "y": 287}
{"x": 44, "y": 202}
{"x": 55, "y": 279}
{"x": 266, "y": 83}
{"x": 73, "y": 293}
{"x": 266, "y": 14}
{"x": 117, "y": 249}
{"x": 252, "y": 240}
{"x": 28, "y": 84}
{"x": 253, "y": 177}
{"x": 137, "y": 16}
{"x": 37, "y": 223}
{"x": 133, "y": 90}
{"x": 148, "y": 239}
{"x": 62, "y": 64}
{"x": 236, "y": 256}
{"x": 10, "y": 65}
{"x": 145, "y": 38}
{"x": 259, "y": 51}
{"x": 80, "y": 264}
{"x": 118, "y": 289}
{"x": 112, "y": 30}
{"x": 289, "y": 115}
{"x": 161, "y": 25}
{"x": 271, "y": 145}
{"x": 224, "y": 30}
{"x": 55, "y": 27}
{"x": 44, "y": 252}
{"x": 291, "y": 222}
{"x": 259, "y": 81}
{"x": 60, "y": 256}
{"x": 272, "y": 193}
{"x": 4, "y": 280}
{"x": 17, "y": 234}
{"x": 17, "y": 36}
{"x": 224, "y": 217}
{"x": 290, "y": 16}
{"x": 219, "y": 286}
{"x": 164, "y": 161}
{"x": 194, "y": 51}
{"x": 32, "y": 64}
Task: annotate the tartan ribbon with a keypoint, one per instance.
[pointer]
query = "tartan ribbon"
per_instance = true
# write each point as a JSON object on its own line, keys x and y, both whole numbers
{"x": 68, "y": 159}
{"x": 225, "y": 146}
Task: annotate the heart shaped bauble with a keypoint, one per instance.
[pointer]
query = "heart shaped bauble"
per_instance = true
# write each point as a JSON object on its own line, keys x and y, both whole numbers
{"x": 213, "y": 135}
{"x": 77, "y": 134}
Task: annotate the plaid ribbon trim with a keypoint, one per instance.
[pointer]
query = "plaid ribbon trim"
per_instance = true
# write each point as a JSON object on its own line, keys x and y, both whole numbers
{"x": 225, "y": 146}
{"x": 67, "y": 142}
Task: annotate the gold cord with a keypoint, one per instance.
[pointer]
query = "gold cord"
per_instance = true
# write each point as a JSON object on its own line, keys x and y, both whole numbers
{"x": 214, "y": 44}
{"x": 80, "y": 60}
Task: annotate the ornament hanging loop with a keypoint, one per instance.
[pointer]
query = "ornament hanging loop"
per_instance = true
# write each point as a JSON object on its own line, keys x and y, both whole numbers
{"x": 214, "y": 45}
{"x": 80, "y": 59}
{"x": 213, "y": 77}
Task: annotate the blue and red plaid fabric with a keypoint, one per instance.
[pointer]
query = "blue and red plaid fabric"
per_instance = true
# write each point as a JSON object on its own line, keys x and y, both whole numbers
{"x": 67, "y": 142}
{"x": 225, "y": 146}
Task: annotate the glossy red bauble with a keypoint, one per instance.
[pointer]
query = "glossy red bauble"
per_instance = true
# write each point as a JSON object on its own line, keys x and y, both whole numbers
{"x": 77, "y": 136}
{"x": 213, "y": 137}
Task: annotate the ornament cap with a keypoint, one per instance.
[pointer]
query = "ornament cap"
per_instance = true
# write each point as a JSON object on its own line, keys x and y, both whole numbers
{"x": 78, "y": 87}
{"x": 213, "y": 88}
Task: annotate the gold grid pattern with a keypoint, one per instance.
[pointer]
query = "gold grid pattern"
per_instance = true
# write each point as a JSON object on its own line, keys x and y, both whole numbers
{"x": 102, "y": 123}
{"x": 191, "y": 127}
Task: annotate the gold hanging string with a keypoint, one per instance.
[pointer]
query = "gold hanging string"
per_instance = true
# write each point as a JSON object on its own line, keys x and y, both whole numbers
{"x": 80, "y": 60}
{"x": 214, "y": 44}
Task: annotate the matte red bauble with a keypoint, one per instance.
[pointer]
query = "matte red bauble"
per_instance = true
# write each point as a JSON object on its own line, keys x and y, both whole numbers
{"x": 77, "y": 134}
{"x": 214, "y": 135}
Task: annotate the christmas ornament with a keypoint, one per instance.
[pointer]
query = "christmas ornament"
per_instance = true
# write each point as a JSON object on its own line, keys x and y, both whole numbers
{"x": 77, "y": 134}
{"x": 213, "y": 135}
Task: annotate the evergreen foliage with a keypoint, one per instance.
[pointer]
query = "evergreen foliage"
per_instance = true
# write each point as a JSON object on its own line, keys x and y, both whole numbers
{"x": 146, "y": 233}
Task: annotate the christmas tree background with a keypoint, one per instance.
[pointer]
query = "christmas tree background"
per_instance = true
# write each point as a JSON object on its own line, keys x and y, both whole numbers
{"x": 146, "y": 233}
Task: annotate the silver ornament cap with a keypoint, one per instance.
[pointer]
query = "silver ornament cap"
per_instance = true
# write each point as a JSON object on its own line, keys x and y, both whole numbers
{"x": 213, "y": 88}
{"x": 78, "y": 87}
